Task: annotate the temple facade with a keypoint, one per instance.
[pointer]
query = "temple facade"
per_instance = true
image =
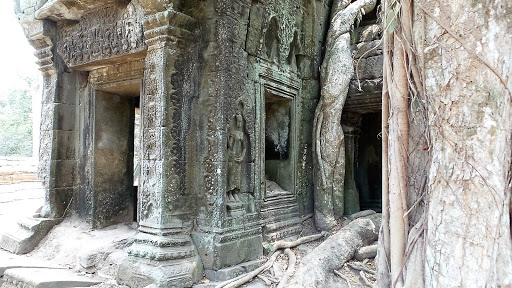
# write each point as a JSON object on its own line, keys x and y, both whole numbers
{"x": 193, "y": 118}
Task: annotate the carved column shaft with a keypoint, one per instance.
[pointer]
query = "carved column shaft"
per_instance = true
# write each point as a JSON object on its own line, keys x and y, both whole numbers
{"x": 163, "y": 245}
{"x": 163, "y": 153}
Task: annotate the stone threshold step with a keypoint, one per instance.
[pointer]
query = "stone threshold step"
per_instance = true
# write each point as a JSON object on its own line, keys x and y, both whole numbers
{"x": 46, "y": 278}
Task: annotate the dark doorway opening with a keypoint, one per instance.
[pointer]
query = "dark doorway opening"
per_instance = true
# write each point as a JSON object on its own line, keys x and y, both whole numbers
{"x": 369, "y": 163}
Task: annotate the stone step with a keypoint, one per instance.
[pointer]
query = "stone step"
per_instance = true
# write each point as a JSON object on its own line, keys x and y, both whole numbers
{"x": 27, "y": 236}
{"x": 283, "y": 233}
{"x": 11, "y": 261}
{"x": 45, "y": 278}
{"x": 29, "y": 223}
{"x": 281, "y": 212}
{"x": 276, "y": 194}
{"x": 277, "y": 197}
{"x": 278, "y": 207}
{"x": 274, "y": 226}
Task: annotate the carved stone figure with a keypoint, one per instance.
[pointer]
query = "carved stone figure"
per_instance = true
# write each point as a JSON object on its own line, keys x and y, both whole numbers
{"x": 236, "y": 154}
{"x": 328, "y": 137}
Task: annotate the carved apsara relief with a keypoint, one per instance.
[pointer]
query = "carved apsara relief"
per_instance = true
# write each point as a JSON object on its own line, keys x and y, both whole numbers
{"x": 237, "y": 148}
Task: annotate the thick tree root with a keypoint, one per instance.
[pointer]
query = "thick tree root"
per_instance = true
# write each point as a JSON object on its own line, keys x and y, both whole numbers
{"x": 265, "y": 279}
{"x": 366, "y": 281}
{"x": 239, "y": 281}
{"x": 343, "y": 277}
{"x": 335, "y": 251}
{"x": 291, "y": 244}
{"x": 291, "y": 267}
{"x": 362, "y": 268}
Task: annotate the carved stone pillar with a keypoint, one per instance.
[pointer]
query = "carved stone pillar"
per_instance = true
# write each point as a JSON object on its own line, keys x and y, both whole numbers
{"x": 57, "y": 157}
{"x": 163, "y": 252}
{"x": 351, "y": 128}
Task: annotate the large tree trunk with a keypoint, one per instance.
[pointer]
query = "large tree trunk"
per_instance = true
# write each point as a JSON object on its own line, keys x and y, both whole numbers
{"x": 328, "y": 137}
{"x": 459, "y": 160}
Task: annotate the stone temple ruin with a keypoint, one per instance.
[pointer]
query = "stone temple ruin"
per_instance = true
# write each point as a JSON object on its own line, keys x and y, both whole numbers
{"x": 220, "y": 97}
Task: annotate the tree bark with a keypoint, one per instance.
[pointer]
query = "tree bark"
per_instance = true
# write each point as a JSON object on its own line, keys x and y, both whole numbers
{"x": 458, "y": 170}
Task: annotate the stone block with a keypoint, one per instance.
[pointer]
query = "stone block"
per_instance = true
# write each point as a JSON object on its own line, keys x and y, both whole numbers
{"x": 306, "y": 132}
{"x": 234, "y": 271}
{"x": 306, "y": 66}
{"x": 65, "y": 145}
{"x": 308, "y": 107}
{"x": 58, "y": 199}
{"x": 216, "y": 255}
{"x": 255, "y": 29}
{"x": 11, "y": 261}
{"x": 46, "y": 278}
{"x": 368, "y": 33}
{"x": 65, "y": 117}
{"x": 366, "y": 49}
{"x": 68, "y": 92}
{"x": 64, "y": 173}
{"x": 310, "y": 89}
{"x": 28, "y": 235}
{"x": 371, "y": 67}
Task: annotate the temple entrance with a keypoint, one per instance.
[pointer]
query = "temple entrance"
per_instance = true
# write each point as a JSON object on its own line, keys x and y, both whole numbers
{"x": 114, "y": 194}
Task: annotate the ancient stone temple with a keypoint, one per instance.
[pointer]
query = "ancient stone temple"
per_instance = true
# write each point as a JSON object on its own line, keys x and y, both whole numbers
{"x": 225, "y": 93}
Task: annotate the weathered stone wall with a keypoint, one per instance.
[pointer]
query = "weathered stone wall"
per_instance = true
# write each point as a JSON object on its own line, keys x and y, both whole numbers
{"x": 208, "y": 74}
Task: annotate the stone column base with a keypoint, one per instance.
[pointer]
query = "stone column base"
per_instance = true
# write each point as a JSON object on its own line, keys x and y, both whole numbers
{"x": 138, "y": 272}
{"x": 166, "y": 261}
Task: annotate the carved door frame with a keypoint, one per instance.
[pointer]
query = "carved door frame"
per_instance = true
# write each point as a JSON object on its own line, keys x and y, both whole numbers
{"x": 285, "y": 85}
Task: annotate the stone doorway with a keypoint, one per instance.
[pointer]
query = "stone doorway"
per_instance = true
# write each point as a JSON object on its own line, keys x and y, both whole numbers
{"x": 369, "y": 159}
{"x": 114, "y": 195}
{"x": 110, "y": 121}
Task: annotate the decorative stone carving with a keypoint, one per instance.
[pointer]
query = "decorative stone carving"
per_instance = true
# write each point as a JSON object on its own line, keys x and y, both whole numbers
{"x": 107, "y": 33}
{"x": 236, "y": 154}
{"x": 328, "y": 139}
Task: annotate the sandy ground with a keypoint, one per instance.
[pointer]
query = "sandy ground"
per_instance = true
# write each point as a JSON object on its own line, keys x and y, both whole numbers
{"x": 72, "y": 244}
